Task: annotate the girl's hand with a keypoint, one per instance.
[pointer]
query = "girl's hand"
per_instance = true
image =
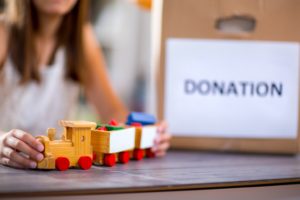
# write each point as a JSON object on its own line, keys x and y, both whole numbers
{"x": 162, "y": 140}
{"x": 20, "y": 150}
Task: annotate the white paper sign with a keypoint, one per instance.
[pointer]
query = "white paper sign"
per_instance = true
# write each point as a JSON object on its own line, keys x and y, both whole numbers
{"x": 229, "y": 88}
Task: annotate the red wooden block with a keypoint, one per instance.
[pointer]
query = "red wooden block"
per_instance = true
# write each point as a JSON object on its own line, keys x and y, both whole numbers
{"x": 62, "y": 163}
{"x": 136, "y": 124}
{"x": 113, "y": 122}
{"x": 85, "y": 162}
{"x": 102, "y": 128}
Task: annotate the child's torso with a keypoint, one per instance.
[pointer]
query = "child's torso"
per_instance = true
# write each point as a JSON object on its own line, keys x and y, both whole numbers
{"x": 34, "y": 107}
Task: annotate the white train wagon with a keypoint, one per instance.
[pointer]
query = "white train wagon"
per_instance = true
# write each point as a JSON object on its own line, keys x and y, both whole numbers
{"x": 112, "y": 144}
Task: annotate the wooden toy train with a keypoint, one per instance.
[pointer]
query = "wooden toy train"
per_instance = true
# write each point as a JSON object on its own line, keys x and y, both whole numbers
{"x": 86, "y": 143}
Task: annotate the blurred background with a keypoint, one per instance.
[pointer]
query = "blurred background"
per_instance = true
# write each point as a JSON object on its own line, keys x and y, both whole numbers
{"x": 123, "y": 31}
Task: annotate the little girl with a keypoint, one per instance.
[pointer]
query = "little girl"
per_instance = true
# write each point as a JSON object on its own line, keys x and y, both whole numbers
{"x": 48, "y": 52}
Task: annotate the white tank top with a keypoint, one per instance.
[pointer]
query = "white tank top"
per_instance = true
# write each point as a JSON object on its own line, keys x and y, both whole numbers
{"x": 35, "y": 107}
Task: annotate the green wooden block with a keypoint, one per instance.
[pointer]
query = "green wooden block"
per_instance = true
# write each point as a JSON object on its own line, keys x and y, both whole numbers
{"x": 113, "y": 128}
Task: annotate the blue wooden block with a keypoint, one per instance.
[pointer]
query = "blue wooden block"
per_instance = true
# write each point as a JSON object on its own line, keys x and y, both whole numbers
{"x": 139, "y": 117}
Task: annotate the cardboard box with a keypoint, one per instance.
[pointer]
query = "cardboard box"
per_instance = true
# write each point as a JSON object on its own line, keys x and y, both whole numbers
{"x": 254, "y": 25}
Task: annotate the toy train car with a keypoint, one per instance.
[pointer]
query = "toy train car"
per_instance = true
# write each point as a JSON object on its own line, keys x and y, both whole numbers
{"x": 73, "y": 150}
{"x": 111, "y": 145}
{"x": 144, "y": 138}
{"x": 82, "y": 144}
{"x": 145, "y": 134}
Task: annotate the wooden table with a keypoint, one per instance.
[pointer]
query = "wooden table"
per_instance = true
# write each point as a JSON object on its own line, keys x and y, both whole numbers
{"x": 181, "y": 174}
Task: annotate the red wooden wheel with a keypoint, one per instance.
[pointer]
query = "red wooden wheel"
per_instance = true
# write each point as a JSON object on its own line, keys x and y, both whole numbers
{"x": 138, "y": 154}
{"x": 62, "y": 163}
{"x": 109, "y": 160}
{"x": 124, "y": 157}
{"x": 85, "y": 162}
{"x": 150, "y": 153}
{"x": 94, "y": 156}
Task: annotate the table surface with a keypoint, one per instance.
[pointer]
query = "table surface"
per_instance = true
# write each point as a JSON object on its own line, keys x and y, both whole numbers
{"x": 177, "y": 171}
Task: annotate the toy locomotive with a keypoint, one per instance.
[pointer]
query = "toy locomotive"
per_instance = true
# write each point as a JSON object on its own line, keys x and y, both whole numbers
{"x": 85, "y": 143}
{"x": 73, "y": 150}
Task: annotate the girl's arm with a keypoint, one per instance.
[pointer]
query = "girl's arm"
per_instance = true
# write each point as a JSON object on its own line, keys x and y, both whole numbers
{"x": 100, "y": 92}
{"x": 98, "y": 88}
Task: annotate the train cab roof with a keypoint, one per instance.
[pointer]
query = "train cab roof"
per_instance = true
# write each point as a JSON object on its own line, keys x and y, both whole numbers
{"x": 78, "y": 124}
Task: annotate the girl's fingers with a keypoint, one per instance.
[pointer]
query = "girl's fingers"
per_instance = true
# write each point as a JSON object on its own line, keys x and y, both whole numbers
{"x": 21, "y": 146}
{"x": 163, "y": 138}
{"x": 28, "y": 139}
{"x": 161, "y": 147}
{"x": 17, "y": 158}
{"x": 9, "y": 162}
{"x": 162, "y": 128}
{"x": 162, "y": 141}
